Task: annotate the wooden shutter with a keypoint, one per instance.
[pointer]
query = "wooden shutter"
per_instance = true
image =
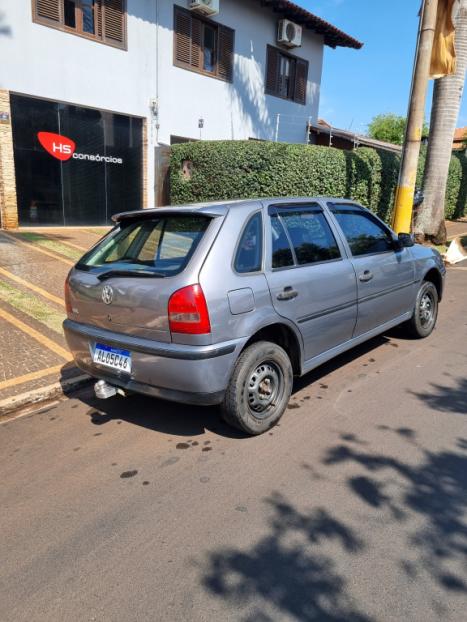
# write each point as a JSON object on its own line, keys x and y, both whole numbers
{"x": 114, "y": 22}
{"x": 47, "y": 11}
{"x": 182, "y": 32}
{"x": 225, "y": 63}
{"x": 188, "y": 37}
{"x": 301, "y": 80}
{"x": 272, "y": 70}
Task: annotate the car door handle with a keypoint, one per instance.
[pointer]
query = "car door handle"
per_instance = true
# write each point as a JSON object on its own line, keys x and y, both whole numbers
{"x": 287, "y": 293}
{"x": 366, "y": 276}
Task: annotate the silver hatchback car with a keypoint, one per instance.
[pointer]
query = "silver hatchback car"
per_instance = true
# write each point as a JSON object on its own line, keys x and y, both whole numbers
{"x": 223, "y": 303}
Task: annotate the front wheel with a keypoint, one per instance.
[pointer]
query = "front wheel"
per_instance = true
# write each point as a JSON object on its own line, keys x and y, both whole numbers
{"x": 425, "y": 312}
{"x": 259, "y": 389}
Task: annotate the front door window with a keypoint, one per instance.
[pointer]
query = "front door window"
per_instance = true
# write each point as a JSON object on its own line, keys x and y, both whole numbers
{"x": 364, "y": 233}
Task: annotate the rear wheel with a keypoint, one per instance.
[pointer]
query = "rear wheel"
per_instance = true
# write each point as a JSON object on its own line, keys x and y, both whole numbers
{"x": 425, "y": 313}
{"x": 259, "y": 389}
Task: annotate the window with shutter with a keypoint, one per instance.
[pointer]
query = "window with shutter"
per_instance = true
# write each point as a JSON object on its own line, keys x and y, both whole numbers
{"x": 286, "y": 75}
{"x": 100, "y": 20}
{"x": 202, "y": 45}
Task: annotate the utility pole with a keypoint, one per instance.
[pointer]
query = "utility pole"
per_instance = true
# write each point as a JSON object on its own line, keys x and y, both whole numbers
{"x": 402, "y": 216}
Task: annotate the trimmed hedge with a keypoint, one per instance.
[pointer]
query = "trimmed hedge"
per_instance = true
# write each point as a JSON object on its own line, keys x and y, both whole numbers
{"x": 217, "y": 170}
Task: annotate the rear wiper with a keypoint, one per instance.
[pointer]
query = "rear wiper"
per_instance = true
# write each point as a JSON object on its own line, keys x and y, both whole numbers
{"x": 133, "y": 273}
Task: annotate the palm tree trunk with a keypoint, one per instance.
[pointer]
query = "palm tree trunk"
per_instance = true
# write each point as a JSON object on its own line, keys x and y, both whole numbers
{"x": 447, "y": 96}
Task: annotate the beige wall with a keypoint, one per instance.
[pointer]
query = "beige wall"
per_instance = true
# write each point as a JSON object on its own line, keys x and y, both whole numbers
{"x": 8, "y": 204}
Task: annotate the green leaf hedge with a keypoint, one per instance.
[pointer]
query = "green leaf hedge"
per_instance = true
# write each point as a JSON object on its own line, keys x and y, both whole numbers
{"x": 217, "y": 170}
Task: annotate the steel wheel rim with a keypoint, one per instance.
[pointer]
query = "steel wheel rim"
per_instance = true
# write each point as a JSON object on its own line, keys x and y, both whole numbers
{"x": 426, "y": 310}
{"x": 264, "y": 388}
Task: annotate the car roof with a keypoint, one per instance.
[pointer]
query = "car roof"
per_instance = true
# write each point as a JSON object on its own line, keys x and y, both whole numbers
{"x": 218, "y": 208}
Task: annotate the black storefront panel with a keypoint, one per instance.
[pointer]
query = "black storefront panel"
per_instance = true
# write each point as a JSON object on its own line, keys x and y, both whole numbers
{"x": 84, "y": 191}
{"x": 74, "y": 165}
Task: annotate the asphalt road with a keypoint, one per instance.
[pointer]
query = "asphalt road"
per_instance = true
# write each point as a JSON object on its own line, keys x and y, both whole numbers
{"x": 353, "y": 509}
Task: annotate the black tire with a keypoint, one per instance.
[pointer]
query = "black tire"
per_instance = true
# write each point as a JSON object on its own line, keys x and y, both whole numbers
{"x": 425, "y": 312}
{"x": 259, "y": 389}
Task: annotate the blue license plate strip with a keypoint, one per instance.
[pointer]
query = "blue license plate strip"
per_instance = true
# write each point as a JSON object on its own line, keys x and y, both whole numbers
{"x": 114, "y": 358}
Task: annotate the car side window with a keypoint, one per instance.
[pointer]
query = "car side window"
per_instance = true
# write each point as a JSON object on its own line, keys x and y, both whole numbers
{"x": 364, "y": 233}
{"x": 310, "y": 234}
{"x": 282, "y": 255}
{"x": 250, "y": 247}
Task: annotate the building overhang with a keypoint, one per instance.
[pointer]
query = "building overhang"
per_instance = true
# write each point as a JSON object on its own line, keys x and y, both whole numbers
{"x": 333, "y": 37}
{"x": 356, "y": 140}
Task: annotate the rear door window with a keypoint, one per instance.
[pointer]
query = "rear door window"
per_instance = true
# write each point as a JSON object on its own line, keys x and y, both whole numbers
{"x": 309, "y": 233}
{"x": 163, "y": 245}
{"x": 364, "y": 233}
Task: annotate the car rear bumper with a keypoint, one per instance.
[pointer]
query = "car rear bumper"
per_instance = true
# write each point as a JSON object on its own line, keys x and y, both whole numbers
{"x": 180, "y": 373}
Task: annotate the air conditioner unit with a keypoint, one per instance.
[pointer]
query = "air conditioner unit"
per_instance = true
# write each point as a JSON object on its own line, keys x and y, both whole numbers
{"x": 207, "y": 7}
{"x": 289, "y": 34}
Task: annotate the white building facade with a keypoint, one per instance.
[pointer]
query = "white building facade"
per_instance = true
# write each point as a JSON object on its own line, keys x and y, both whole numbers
{"x": 112, "y": 80}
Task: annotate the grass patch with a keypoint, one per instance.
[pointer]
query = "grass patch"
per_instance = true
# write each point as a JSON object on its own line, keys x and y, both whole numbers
{"x": 98, "y": 231}
{"x": 32, "y": 306}
{"x": 51, "y": 245}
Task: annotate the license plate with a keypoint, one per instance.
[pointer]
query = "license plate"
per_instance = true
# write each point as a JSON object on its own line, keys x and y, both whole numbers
{"x": 112, "y": 357}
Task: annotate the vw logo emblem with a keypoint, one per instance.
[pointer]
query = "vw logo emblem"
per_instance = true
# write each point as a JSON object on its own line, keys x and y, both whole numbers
{"x": 107, "y": 294}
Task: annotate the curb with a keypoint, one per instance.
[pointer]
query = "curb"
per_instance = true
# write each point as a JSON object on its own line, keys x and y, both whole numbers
{"x": 45, "y": 394}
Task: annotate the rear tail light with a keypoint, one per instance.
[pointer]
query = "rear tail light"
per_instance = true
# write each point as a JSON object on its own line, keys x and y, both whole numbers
{"x": 67, "y": 295}
{"x": 188, "y": 311}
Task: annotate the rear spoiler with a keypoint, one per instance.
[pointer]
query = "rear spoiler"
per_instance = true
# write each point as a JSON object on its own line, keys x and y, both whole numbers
{"x": 145, "y": 214}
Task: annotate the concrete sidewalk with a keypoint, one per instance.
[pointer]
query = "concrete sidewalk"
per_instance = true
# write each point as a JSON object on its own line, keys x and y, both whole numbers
{"x": 35, "y": 362}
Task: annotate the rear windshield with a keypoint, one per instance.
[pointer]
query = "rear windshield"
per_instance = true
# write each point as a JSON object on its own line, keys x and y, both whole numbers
{"x": 163, "y": 245}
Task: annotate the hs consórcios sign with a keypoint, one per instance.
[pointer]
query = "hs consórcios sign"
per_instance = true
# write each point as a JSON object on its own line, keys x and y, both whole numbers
{"x": 63, "y": 148}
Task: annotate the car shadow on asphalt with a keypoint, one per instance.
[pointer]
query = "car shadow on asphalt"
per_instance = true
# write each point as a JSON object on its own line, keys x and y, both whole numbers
{"x": 185, "y": 420}
{"x": 158, "y": 415}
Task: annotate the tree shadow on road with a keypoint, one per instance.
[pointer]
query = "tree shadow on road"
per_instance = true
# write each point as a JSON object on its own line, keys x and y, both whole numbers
{"x": 434, "y": 490}
{"x": 447, "y": 399}
{"x": 284, "y": 573}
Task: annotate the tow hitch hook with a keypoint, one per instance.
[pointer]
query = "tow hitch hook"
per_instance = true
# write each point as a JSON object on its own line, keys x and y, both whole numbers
{"x": 104, "y": 390}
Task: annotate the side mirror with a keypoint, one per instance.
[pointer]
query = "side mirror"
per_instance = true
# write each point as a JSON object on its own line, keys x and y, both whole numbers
{"x": 406, "y": 240}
